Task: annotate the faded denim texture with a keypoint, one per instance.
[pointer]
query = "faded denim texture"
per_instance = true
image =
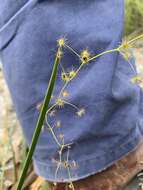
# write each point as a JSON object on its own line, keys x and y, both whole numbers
{"x": 113, "y": 123}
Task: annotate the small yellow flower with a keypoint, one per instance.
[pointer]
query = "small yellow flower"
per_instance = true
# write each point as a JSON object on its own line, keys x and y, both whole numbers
{"x": 61, "y": 136}
{"x": 58, "y": 124}
{"x": 125, "y": 44}
{"x": 125, "y": 49}
{"x": 60, "y": 102}
{"x": 85, "y": 56}
{"x": 72, "y": 74}
{"x": 39, "y": 106}
{"x": 81, "y": 112}
{"x": 52, "y": 96}
{"x": 65, "y": 93}
{"x": 137, "y": 79}
{"x": 65, "y": 77}
{"x": 65, "y": 163}
{"x": 61, "y": 42}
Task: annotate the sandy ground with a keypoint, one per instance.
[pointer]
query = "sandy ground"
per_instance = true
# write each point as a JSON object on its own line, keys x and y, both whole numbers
{"x": 10, "y": 136}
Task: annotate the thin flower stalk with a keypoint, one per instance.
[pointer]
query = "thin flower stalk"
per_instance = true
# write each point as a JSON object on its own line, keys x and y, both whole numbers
{"x": 135, "y": 39}
{"x": 72, "y": 50}
{"x": 103, "y": 53}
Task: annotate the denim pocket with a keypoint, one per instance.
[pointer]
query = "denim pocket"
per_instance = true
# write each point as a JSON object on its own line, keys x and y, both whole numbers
{"x": 9, "y": 29}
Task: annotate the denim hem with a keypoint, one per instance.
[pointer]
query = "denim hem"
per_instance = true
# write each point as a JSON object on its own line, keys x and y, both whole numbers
{"x": 89, "y": 166}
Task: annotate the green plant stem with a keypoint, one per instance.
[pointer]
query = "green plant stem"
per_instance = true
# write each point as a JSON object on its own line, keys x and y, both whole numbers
{"x": 69, "y": 174}
{"x": 72, "y": 105}
{"x": 72, "y": 50}
{"x": 53, "y": 134}
{"x": 40, "y": 121}
{"x": 103, "y": 53}
{"x": 135, "y": 39}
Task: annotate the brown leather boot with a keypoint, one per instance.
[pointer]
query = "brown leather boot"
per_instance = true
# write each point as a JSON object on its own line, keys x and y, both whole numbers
{"x": 116, "y": 177}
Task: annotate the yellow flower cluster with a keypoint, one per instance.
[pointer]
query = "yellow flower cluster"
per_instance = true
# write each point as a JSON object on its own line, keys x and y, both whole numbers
{"x": 58, "y": 124}
{"x": 126, "y": 44}
{"x": 65, "y": 93}
{"x": 85, "y": 56}
{"x": 125, "y": 49}
{"x": 81, "y": 112}
{"x": 137, "y": 79}
{"x": 61, "y": 42}
{"x": 68, "y": 76}
{"x": 72, "y": 74}
{"x": 60, "y": 102}
{"x": 65, "y": 77}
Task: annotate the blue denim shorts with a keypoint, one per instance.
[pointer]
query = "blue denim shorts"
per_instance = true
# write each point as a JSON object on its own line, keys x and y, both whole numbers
{"x": 112, "y": 124}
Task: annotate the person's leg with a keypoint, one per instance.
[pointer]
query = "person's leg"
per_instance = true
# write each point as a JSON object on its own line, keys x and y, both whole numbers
{"x": 111, "y": 125}
{"x": 115, "y": 177}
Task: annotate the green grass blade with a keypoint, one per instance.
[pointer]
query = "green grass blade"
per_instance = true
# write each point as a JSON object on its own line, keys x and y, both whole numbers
{"x": 39, "y": 122}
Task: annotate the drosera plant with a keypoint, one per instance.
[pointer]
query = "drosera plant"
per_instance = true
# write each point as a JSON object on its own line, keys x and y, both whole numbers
{"x": 60, "y": 101}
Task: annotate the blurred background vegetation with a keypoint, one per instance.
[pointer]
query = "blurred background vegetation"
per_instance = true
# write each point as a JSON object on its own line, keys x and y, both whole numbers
{"x": 134, "y": 16}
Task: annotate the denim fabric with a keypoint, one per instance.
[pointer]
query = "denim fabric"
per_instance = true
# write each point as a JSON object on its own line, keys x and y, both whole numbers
{"x": 112, "y": 125}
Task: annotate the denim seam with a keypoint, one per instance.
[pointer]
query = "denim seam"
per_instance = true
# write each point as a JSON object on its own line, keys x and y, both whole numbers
{"x": 95, "y": 157}
{"x": 16, "y": 15}
{"x": 133, "y": 142}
